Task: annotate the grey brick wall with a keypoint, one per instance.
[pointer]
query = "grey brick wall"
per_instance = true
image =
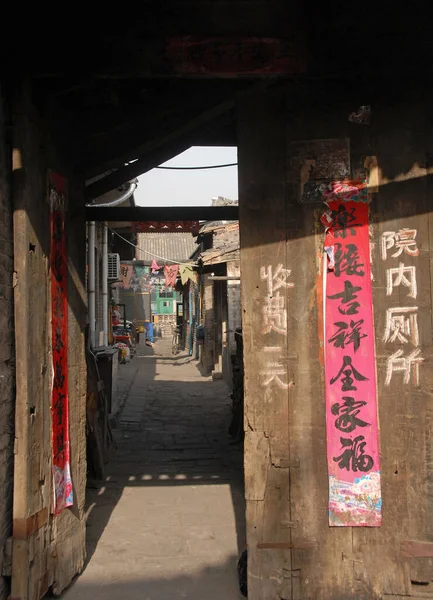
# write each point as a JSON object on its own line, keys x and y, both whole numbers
{"x": 7, "y": 369}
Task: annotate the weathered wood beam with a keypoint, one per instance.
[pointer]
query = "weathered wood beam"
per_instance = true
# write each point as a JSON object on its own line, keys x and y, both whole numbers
{"x": 134, "y": 169}
{"x": 213, "y": 56}
{"x": 118, "y": 148}
{"x": 162, "y": 213}
{"x": 252, "y": 46}
{"x": 158, "y": 150}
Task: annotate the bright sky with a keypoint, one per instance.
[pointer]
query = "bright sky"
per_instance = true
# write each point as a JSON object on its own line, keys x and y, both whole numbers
{"x": 190, "y": 188}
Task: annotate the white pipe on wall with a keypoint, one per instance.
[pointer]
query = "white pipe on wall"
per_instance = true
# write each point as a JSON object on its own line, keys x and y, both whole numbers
{"x": 91, "y": 281}
{"x": 105, "y": 285}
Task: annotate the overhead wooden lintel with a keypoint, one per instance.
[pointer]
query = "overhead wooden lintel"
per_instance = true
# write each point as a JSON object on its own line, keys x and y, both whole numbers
{"x": 133, "y": 170}
{"x": 160, "y": 149}
{"x": 203, "y": 57}
{"x": 162, "y": 213}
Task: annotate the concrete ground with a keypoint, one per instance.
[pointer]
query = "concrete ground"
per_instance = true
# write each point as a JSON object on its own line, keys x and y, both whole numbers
{"x": 168, "y": 521}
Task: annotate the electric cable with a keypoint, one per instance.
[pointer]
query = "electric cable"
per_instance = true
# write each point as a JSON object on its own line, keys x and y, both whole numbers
{"x": 175, "y": 262}
{"x": 198, "y": 168}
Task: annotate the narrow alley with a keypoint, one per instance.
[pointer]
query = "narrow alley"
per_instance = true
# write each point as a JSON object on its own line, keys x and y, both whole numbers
{"x": 169, "y": 520}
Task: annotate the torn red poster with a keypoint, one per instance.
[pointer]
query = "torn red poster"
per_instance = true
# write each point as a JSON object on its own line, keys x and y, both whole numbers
{"x": 63, "y": 491}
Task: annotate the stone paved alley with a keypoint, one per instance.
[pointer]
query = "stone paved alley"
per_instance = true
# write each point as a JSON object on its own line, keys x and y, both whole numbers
{"x": 168, "y": 522}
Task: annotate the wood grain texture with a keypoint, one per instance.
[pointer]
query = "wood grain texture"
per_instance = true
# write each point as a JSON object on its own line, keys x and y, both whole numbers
{"x": 413, "y": 548}
{"x": 263, "y": 244}
{"x": 290, "y": 524}
{"x": 32, "y": 474}
{"x": 404, "y": 413}
{"x": 54, "y": 550}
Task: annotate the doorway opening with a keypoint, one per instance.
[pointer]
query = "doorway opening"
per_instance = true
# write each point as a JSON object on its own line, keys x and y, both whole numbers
{"x": 166, "y": 515}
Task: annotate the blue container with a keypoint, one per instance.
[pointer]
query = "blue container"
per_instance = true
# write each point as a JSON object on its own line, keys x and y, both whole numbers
{"x": 149, "y": 331}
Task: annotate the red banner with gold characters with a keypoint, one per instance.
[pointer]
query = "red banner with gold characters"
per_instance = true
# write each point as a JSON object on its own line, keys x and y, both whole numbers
{"x": 63, "y": 493}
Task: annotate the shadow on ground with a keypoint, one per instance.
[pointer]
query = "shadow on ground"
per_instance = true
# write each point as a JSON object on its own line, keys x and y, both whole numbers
{"x": 173, "y": 496}
{"x": 210, "y": 583}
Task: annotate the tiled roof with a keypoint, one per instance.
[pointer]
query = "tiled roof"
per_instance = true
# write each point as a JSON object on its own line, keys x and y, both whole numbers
{"x": 225, "y": 242}
{"x": 170, "y": 246}
{"x": 214, "y": 257}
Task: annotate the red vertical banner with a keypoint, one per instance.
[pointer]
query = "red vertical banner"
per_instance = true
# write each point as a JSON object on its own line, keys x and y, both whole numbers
{"x": 351, "y": 400}
{"x": 63, "y": 494}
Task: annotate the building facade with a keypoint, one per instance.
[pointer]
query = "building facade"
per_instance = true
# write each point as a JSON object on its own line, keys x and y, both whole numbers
{"x": 216, "y": 296}
{"x": 162, "y": 249}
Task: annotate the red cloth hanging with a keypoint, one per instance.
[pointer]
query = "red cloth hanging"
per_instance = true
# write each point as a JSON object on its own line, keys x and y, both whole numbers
{"x": 170, "y": 272}
{"x": 155, "y": 267}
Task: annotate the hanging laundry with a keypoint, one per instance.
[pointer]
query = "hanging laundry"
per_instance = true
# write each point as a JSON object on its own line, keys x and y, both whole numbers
{"x": 187, "y": 272}
{"x": 155, "y": 267}
{"x": 143, "y": 279}
{"x": 140, "y": 271}
{"x": 134, "y": 282}
{"x": 170, "y": 272}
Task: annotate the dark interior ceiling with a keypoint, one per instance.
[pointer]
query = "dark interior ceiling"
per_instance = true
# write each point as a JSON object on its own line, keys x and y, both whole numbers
{"x": 111, "y": 92}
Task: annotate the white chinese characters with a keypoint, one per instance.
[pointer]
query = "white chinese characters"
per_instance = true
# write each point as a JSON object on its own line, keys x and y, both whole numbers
{"x": 275, "y": 320}
{"x": 401, "y": 323}
{"x": 402, "y": 275}
{"x": 274, "y": 311}
{"x": 409, "y": 365}
{"x": 401, "y": 241}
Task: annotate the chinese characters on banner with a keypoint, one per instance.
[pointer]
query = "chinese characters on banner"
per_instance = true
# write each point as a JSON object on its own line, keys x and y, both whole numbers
{"x": 275, "y": 319}
{"x": 398, "y": 248}
{"x": 63, "y": 494}
{"x": 351, "y": 402}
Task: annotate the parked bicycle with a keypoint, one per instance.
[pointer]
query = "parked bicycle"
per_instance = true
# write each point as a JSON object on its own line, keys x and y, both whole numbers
{"x": 175, "y": 345}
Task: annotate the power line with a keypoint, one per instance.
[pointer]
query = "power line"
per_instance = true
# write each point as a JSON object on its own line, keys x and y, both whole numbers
{"x": 198, "y": 168}
{"x": 175, "y": 262}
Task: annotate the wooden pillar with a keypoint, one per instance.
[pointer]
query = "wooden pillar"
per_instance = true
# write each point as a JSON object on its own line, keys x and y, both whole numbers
{"x": 401, "y": 209}
{"x": 48, "y": 550}
{"x": 268, "y": 355}
{"x": 293, "y": 553}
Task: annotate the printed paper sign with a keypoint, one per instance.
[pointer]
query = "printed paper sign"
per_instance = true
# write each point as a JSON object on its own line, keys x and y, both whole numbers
{"x": 351, "y": 401}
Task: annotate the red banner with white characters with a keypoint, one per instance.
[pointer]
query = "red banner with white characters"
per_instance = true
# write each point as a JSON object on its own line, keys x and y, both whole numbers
{"x": 63, "y": 494}
{"x": 351, "y": 400}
